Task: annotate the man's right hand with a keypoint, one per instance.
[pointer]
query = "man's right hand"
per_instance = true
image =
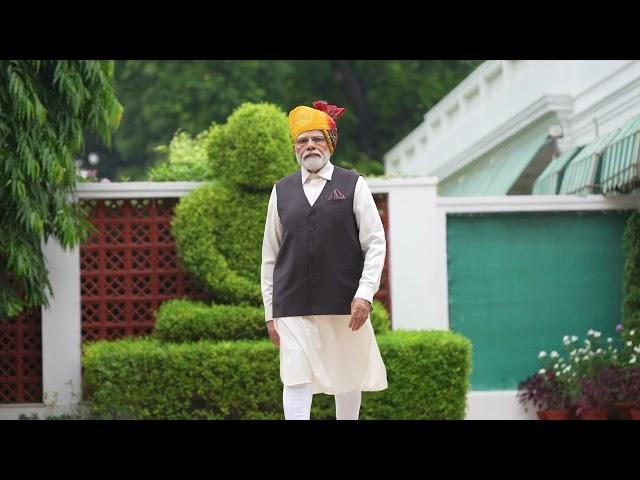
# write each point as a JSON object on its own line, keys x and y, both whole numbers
{"x": 275, "y": 338}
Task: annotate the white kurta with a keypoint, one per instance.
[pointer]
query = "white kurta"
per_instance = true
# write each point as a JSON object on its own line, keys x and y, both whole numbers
{"x": 322, "y": 349}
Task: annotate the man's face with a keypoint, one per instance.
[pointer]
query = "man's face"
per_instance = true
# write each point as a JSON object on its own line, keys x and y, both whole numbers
{"x": 312, "y": 150}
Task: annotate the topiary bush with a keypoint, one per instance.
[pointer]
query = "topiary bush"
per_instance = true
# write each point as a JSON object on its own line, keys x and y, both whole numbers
{"x": 218, "y": 231}
{"x": 380, "y": 318}
{"x": 428, "y": 374}
{"x": 253, "y": 150}
{"x": 219, "y": 227}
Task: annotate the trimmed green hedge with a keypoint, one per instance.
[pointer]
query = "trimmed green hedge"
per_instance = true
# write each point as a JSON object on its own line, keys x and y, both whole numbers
{"x": 218, "y": 230}
{"x": 631, "y": 278}
{"x": 188, "y": 321}
{"x": 380, "y": 318}
{"x": 428, "y": 373}
{"x": 253, "y": 149}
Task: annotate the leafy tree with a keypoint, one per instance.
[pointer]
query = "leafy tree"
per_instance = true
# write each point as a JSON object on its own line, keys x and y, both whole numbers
{"x": 385, "y": 100}
{"x": 45, "y": 107}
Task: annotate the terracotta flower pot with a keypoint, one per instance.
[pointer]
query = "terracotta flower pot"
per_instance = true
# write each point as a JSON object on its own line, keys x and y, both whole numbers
{"x": 635, "y": 413}
{"x": 624, "y": 408}
{"x": 564, "y": 414}
{"x": 542, "y": 414}
{"x": 595, "y": 414}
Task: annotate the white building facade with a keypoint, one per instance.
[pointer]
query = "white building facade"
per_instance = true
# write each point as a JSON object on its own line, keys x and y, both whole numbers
{"x": 508, "y": 115}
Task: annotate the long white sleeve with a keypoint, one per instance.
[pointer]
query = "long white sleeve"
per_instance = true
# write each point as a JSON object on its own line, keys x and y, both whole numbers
{"x": 271, "y": 243}
{"x": 372, "y": 240}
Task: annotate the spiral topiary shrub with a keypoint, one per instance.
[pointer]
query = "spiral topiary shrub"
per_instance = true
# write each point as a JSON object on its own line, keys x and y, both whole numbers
{"x": 218, "y": 227}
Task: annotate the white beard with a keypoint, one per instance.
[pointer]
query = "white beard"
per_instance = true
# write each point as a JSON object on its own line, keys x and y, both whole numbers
{"x": 313, "y": 163}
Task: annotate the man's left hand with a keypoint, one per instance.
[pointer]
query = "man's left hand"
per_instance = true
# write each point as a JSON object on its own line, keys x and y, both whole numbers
{"x": 360, "y": 309}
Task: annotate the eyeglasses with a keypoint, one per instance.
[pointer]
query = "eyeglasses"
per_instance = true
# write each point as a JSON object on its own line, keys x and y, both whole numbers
{"x": 301, "y": 142}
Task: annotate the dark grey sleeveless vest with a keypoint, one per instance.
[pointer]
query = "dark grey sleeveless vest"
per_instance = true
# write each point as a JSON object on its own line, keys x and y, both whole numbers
{"x": 320, "y": 262}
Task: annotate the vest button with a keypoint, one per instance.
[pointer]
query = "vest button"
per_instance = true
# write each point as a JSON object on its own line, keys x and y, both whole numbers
{"x": 312, "y": 212}
{"x": 310, "y": 244}
{"x": 311, "y": 229}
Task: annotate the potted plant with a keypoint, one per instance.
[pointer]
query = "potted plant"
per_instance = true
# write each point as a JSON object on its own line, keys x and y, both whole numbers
{"x": 628, "y": 375}
{"x": 628, "y": 403}
{"x": 532, "y": 391}
{"x": 598, "y": 392}
{"x": 634, "y": 389}
{"x": 547, "y": 393}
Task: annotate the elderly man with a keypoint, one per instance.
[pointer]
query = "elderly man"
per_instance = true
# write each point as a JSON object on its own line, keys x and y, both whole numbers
{"x": 322, "y": 258}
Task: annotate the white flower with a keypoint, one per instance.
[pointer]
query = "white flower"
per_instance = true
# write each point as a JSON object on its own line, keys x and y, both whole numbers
{"x": 633, "y": 359}
{"x": 558, "y": 373}
{"x": 567, "y": 368}
{"x": 586, "y": 357}
{"x": 629, "y": 343}
{"x": 636, "y": 349}
{"x": 632, "y": 333}
{"x": 609, "y": 339}
{"x": 555, "y": 367}
{"x": 572, "y": 353}
{"x": 542, "y": 354}
{"x": 554, "y": 354}
{"x": 590, "y": 332}
{"x": 587, "y": 342}
{"x": 577, "y": 359}
{"x": 599, "y": 350}
{"x": 596, "y": 334}
{"x": 574, "y": 338}
{"x": 542, "y": 371}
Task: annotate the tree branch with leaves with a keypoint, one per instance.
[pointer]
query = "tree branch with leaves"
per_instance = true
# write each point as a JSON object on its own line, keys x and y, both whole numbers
{"x": 45, "y": 108}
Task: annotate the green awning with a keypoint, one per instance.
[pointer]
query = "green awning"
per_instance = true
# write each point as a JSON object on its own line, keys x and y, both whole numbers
{"x": 495, "y": 173}
{"x": 580, "y": 175}
{"x": 621, "y": 159}
{"x": 550, "y": 179}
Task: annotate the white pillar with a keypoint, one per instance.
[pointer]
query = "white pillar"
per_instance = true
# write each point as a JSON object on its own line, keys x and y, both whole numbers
{"x": 416, "y": 249}
{"x": 61, "y": 335}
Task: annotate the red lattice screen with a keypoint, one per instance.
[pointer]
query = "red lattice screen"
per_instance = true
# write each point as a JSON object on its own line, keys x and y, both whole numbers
{"x": 129, "y": 267}
{"x": 384, "y": 295}
{"x": 21, "y": 358}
